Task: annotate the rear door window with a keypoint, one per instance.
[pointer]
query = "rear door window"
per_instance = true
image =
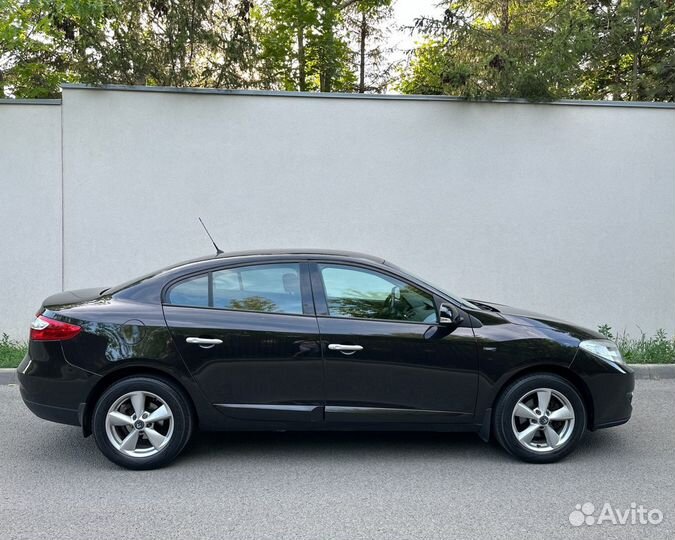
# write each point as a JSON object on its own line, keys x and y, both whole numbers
{"x": 271, "y": 288}
{"x": 268, "y": 288}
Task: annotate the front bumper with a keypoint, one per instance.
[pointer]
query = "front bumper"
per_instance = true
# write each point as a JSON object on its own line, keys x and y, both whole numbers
{"x": 52, "y": 388}
{"x": 611, "y": 389}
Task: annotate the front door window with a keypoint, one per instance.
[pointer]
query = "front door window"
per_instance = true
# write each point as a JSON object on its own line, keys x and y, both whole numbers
{"x": 354, "y": 292}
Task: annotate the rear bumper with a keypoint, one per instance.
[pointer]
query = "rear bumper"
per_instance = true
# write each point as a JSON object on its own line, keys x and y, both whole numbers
{"x": 52, "y": 413}
{"x": 611, "y": 423}
{"x": 611, "y": 390}
{"x": 52, "y": 388}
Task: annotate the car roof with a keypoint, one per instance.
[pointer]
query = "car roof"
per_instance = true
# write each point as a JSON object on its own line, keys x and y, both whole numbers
{"x": 254, "y": 256}
{"x": 300, "y": 252}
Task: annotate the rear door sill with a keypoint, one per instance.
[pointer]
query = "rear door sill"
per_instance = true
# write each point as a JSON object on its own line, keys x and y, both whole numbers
{"x": 274, "y": 413}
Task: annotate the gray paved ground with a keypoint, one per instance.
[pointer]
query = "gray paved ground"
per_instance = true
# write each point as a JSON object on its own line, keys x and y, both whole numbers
{"x": 54, "y": 484}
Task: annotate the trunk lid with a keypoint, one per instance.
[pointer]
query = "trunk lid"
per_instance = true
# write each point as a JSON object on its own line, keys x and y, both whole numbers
{"x": 68, "y": 298}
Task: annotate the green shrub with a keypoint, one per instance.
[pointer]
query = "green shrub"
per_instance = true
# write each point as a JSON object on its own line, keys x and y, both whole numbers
{"x": 11, "y": 352}
{"x": 656, "y": 349}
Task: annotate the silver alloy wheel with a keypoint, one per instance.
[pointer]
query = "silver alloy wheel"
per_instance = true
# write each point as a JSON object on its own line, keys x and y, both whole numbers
{"x": 139, "y": 424}
{"x": 543, "y": 420}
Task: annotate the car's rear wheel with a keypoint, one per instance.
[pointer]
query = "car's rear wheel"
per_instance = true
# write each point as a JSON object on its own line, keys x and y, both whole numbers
{"x": 142, "y": 422}
{"x": 540, "y": 418}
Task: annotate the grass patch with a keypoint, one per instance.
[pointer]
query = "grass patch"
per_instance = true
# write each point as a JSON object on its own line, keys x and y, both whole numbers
{"x": 11, "y": 352}
{"x": 656, "y": 349}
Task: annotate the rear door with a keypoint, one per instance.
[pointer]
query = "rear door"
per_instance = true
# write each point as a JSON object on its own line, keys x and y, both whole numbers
{"x": 249, "y": 336}
{"x": 387, "y": 359}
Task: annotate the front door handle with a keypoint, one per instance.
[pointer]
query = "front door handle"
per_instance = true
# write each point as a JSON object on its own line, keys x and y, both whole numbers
{"x": 345, "y": 349}
{"x": 204, "y": 343}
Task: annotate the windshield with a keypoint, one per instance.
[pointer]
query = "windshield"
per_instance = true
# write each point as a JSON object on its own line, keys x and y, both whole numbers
{"x": 462, "y": 301}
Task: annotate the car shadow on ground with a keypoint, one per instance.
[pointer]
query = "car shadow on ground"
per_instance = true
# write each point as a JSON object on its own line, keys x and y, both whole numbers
{"x": 66, "y": 447}
{"x": 320, "y": 442}
{"x": 380, "y": 445}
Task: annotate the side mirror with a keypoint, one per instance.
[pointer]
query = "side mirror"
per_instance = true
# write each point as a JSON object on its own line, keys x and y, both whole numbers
{"x": 449, "y": 315}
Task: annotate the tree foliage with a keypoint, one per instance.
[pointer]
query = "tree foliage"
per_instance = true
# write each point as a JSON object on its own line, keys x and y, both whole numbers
{"x": 547, "y": 49}
{"x": 535, "y": 49}
{"x": 633, "y": 57}
{"x": 156, "y": 42}
{"x": 308, "y": 44}
{"x": 35, "y": 55}
{"x": 168, "y": 43}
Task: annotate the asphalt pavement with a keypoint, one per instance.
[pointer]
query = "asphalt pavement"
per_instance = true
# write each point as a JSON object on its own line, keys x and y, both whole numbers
{"x": 55, "y": 484}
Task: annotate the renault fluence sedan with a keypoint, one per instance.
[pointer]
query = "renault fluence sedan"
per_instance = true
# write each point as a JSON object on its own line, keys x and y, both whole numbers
{"x": 312, "y": 340}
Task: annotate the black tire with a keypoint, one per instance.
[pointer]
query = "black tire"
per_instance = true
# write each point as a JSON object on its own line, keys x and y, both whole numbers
{"x": 506, "y": 404}
{"x": 180, "y": 408}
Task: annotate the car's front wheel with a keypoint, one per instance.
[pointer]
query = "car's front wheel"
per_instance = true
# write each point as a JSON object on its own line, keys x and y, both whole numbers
{"x": 540, "y": 418}
{"x": 142, "y": 422}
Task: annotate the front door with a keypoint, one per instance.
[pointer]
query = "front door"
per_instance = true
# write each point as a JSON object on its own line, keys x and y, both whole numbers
{"x": 386, "y": 357}
{"x": 249, "y": 336}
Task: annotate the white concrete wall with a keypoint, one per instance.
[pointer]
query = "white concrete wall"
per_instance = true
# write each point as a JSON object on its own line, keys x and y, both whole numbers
{"x": 567, "y": 210}
{"x": 30, "y": 212}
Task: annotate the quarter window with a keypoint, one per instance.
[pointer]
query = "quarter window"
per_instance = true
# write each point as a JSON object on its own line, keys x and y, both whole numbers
{"x": 191, "y": 292}
{"x": 270, "y": 288}
{"x": 365, "y": 294}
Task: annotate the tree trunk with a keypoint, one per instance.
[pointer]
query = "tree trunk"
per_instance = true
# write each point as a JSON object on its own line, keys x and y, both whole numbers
{"x": 302, "y": 62}
{"x": 362, "y": 65}
{"x": 326, "y": 68}
{"x": 505, "y": 17}
{"x": 636, "y": 54}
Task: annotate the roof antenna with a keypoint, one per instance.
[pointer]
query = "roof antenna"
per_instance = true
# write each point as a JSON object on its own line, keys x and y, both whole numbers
{"x": 218, "y": 250}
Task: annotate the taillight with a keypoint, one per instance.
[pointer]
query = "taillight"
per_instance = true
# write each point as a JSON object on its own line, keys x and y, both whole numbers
{"x": 46, "y": 329}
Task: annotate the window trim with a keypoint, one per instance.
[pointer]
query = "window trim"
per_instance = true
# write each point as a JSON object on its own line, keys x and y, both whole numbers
{"x": 306, "y": 297}
{"x": 321, "y": 298}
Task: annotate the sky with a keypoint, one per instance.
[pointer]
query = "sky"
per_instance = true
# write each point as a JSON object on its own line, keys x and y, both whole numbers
{"x": 405, "y": 12}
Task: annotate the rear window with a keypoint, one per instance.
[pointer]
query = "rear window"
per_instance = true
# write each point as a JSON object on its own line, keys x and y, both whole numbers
{"x": 145, "y": 277}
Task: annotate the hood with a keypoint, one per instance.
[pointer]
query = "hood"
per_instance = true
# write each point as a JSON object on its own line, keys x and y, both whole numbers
{"x": 524, "y": 317}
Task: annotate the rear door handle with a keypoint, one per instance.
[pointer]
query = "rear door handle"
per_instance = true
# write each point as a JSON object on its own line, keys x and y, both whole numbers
{"x": 204, "y": 343}
{"x": 345, "y": 349}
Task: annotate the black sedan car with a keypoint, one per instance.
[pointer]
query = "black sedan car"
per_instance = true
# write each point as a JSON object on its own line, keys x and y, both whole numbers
{"x": 312, "y": 340}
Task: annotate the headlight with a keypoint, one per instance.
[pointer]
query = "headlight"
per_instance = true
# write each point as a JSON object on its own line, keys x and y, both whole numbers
{"x": 603, "y": 348}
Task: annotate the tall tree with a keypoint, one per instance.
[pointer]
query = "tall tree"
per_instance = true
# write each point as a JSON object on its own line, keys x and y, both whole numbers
{"x": 501, "y": 48}
{"x": 367, "y": 25}
{"x": 306, "y": 43}
{"x": 37, "y": 39}
{"x": 286, "y": 35}
{"x": 545, "y": 49}
{"x": 168, "y": 42}
{"x": 634, "y": 54}
{"x": 159, "y": 42}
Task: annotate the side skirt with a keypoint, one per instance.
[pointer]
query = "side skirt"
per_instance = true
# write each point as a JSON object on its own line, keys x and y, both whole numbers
{"x": 386, "y": 415}
{"x": 262, "y": 417}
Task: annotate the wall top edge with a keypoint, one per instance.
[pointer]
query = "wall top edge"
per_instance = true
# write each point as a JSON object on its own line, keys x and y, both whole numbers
{"x": 381, "y": 97}
{"x": 9, "y": 101}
